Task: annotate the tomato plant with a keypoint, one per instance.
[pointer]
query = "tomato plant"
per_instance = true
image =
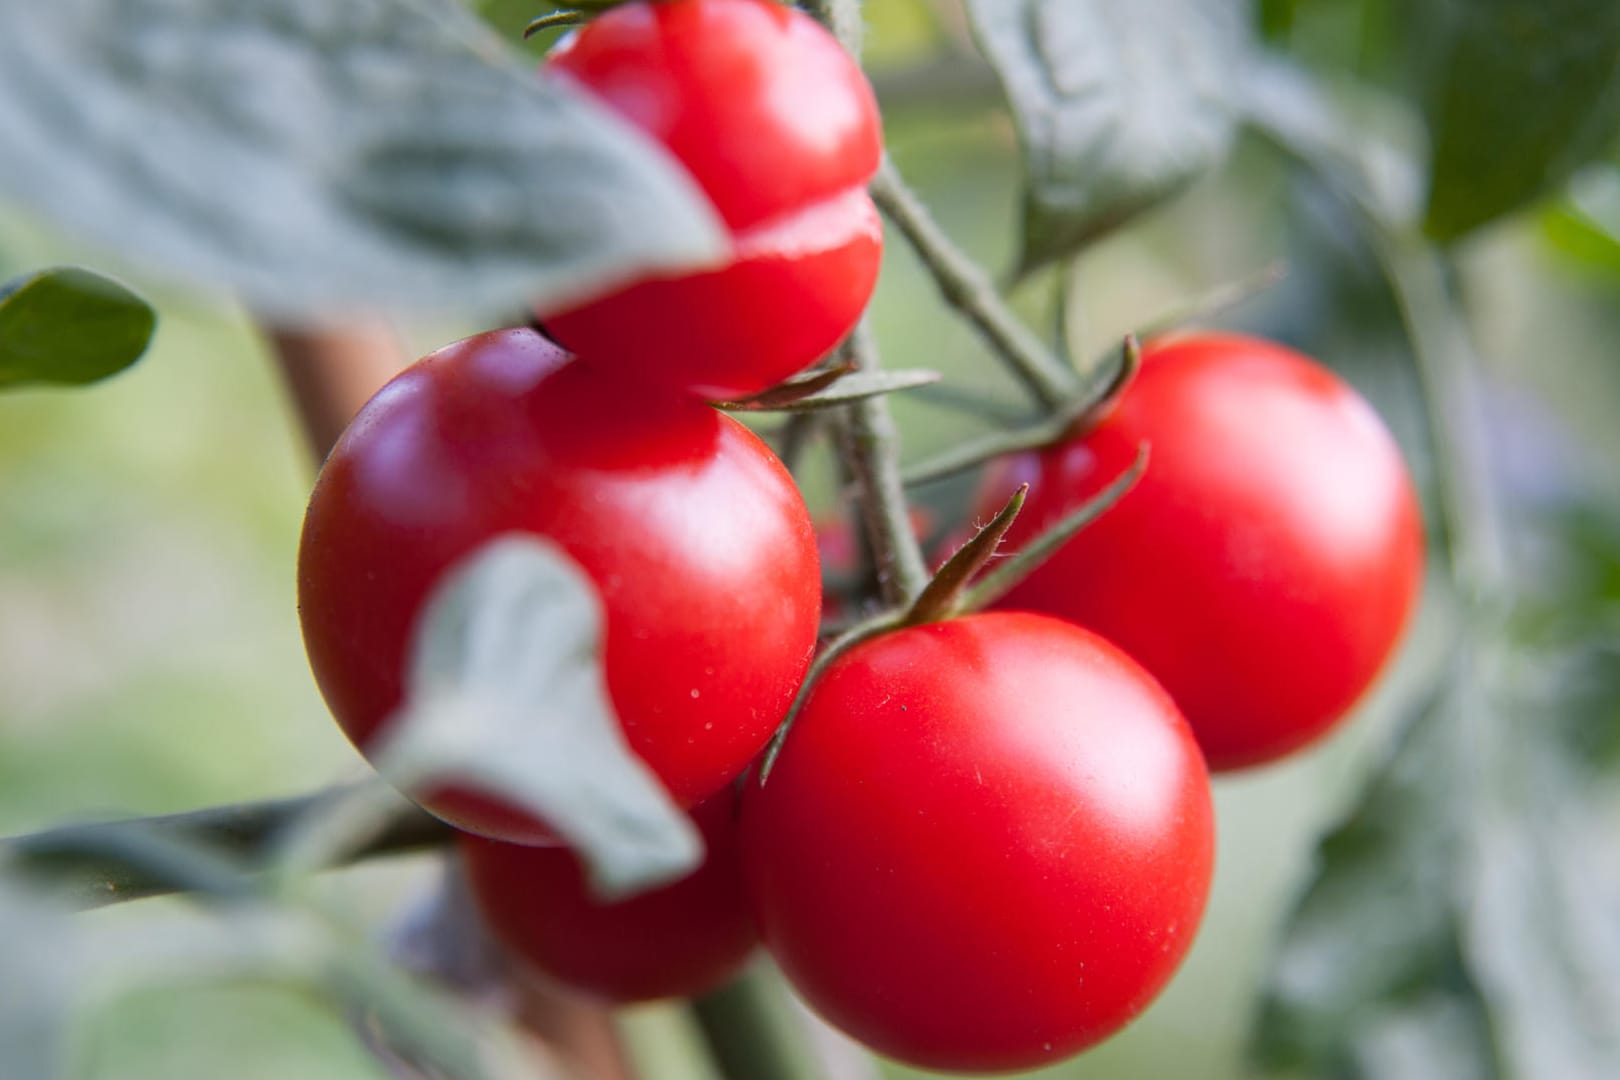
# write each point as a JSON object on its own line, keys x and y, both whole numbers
{"x": 777, "y": 125}
{"x": 693, "y": 532}
{"x": 675, "y": 941}
{"x": 560, "y": 582}
{"x": 1265, "y": 566}
{"x": 986, "y": 843}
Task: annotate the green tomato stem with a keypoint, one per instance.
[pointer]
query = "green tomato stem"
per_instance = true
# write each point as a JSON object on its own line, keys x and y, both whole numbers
{"x": 1448, "y": 381}
{"x": 751, "y": 1030}
{"x": 869, "y": 444}
{"x": 106, "y": 863}
{"x": 968, "y": 289}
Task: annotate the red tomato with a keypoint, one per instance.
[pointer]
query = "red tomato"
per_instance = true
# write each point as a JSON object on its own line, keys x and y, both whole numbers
{"x": 986, "y": 844}
{"x": 676, "y": 941}
{"x": 1266, "y": 564}
{"x": 690, "y": 527}
{"x": 778, "y": 126}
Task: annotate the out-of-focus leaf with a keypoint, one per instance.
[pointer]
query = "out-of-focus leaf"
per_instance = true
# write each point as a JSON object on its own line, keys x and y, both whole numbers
{"x": 61, "y": 969}
{"x": 1376, "y": 932}
{"x": 1296, "y": 112}
{"x": 315, "y": 157}
{"x": 68, "y": 327}
{"x": 1585, "y": 224}
{"x": 1462, "y": 920}
{"x": 1276, "y": 17}
{"x": 1520, "y": 94}
{"x": 421, "y": 1032}
{"x": 506, "y": 695}
{"x": 58, "y": 968}
{"x": 1118, "y": 103}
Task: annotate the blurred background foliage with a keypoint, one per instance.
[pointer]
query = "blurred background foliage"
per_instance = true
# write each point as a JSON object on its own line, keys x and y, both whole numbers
{"x": 150, "y": 658}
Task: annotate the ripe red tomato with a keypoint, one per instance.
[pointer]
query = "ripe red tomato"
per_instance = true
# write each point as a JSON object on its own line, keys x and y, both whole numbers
{"x": 986, "y": 844}
{"x": 675, "y": 941}
{"x": 778, "y": 126}
{"x": 1264, "y": 567}
{"x": 690, "y": 527}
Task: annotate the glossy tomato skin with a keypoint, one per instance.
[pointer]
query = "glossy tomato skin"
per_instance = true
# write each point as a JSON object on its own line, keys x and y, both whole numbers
{"x": 691, "y": 529}
{"x": 678, "y": 940}
{"x": 1266, "y": 564}
{"x": 986, "y": 844}
{"x": 778, "y": 126}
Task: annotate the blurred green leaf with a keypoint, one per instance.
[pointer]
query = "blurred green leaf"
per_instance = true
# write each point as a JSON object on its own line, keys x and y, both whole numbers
{"x": 60, "y": 968}
{"x": 1376, "y": 933}
{"x": 1520, "y": 93}
{"x": 68, "y": 327}
{"x": 313, "y": 158}
{"x": 1292, "y": 108}
{"x": 61, "y": 971}
{"x": 1461, "y": 920}
{"x": 1118, "y": 104}
{"x": 423, "y": 1031}
{"x": 506, "y": 695}
{"x": 1585, "y": 224}
{"x": 1276, "y": 17}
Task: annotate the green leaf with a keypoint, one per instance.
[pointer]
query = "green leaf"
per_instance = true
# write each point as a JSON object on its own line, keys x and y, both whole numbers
{"x": 1461, "y": 920}
{"x": 506, "y": 694}
{"x": 1363, "y": 162}
{"x": 1119, "y": 103}
{"x": 61, "y": 971}
{"x": 313, "y": 158}
{"x": 1378, "y": 923}
{"x": 1585, "y": 224}
{"x": 68, "y": 327}
{"x": 60, "y": 968}
{"x": 1520, "y": 93}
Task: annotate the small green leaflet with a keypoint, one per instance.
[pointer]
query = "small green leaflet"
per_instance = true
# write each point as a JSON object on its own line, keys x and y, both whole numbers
{"x": 68, "y": 327}
{"x": 506, "y": 694}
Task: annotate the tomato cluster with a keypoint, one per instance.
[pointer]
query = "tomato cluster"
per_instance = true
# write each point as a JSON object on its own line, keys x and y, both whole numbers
{"x": 987, "y": 841}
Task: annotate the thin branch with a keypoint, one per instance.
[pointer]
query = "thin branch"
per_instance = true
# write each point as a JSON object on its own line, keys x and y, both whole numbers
{"x": 554, "y": 20}
{"x": 980, "y": 404}
{"x": 331, "y": 373}
{"x": 1449, "y": 384}
{"x": 752, "y": 1032}
{"x": 967, "y": 288}
{"x": 1101, "y": 388}
{"x": 981, "y": 451}
{"x": 868, "y": 442}
{"x": 1217, "y": 301}
{"x": 109, "y": 862}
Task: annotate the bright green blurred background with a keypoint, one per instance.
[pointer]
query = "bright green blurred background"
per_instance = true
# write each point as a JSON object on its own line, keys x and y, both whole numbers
{"x": 149, "y": 651}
